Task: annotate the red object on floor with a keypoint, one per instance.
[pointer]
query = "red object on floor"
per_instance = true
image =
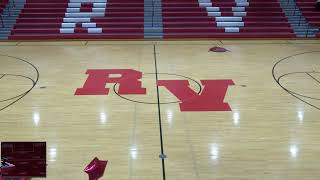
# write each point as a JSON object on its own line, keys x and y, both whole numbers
{"x": 95, "y": 169}
{"x": 218, "y": 49}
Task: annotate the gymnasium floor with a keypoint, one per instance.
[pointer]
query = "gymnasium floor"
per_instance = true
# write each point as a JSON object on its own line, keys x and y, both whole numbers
{"x": 270, "y": 131}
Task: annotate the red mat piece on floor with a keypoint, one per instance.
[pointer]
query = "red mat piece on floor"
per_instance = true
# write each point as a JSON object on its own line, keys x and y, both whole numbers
{"x": 95, "y": 169}
{"x": 218, "y": 49}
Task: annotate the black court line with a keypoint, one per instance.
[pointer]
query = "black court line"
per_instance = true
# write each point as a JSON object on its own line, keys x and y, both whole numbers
{"x": 278, "y": 80}
{"x": 34, "y": 82}
{"x": 162, "y": 155}
{"x": 2, "y": 76}
{"x": 17, "y": 75}
{"x": 291, "y": 91}
{"x": 171, "y": 102}
{"x": 313, "y": 77}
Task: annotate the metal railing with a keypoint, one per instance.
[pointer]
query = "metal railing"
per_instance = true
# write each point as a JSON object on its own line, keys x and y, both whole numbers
{"x": 153, "y": 13}
{"x": 10, "y": 6}
{"x": 2, "y": 23}
{"x": 13, "y": 5}
{"x": 301, "y": 17}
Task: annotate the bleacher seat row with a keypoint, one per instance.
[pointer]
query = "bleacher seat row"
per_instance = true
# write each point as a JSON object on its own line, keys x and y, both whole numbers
{"x": 90, "y": 19}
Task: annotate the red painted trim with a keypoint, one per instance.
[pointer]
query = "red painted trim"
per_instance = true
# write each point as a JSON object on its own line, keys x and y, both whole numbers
{"x": 74, "y": 36}
{"x": 231, "y": 35}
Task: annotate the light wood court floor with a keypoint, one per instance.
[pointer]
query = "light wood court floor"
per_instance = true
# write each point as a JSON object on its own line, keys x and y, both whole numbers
{"x": 270, "y": 132}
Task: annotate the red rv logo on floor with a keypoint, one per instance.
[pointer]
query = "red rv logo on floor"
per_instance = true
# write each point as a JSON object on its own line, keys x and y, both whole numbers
{"x": 210, "y": 99}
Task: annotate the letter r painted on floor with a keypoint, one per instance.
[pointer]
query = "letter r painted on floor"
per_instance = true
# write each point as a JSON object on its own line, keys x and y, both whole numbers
{"x": 129, "y": 82}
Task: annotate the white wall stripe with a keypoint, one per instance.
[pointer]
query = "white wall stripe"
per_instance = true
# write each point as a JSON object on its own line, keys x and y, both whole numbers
{"x": 94, "y": 30}
{"x": 74, "y": 5}
{"x": 72, "y": 10}
{"x": 88, "y": 1}
{"x": 238, "y": 9}
{"x": 205, "y": 4}
{"x": 98, "y": 9}
{"x": 89, "y": 25}
{"x": 204, "y": 1}
{"x": 67, "y": 30}
{"x": 77, "y": 10}
{"x": 229, "y": 19}
{"x": 95, "y": 5}
{"x": 230, "y": 24}
{"x": 85, "y": 14}
{"x": 68, "y": 25}
{"x": 242, "y": 14}
{"x": 245, "y": 4}
{"x": 240, "y": 1}
{"x": 215, "y": 14}
{"x": 213, "y": 9}
{"x": 100, "y": 5}
{"x": 75, "y": 20}
{"x": 232, "y": 29}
